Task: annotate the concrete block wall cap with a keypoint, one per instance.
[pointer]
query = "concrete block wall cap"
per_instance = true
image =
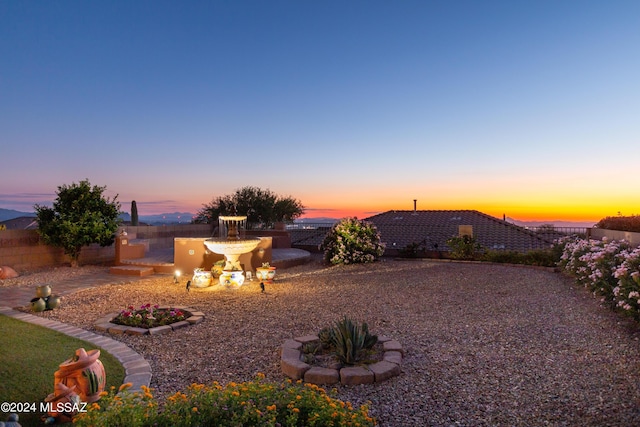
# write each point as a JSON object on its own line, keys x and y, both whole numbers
{"x": 393, "y": 345}
{"x": 160, "y": 330}
{"x": 307, "y": 339}
{"x": 117, "y": 329}
{"x": 292, "y": 344}
{"x": 354, "y": 375}
{"x": 180, "y": 324}
{"x": 393, "y": 357}
{"x": 318, "y": 375}
{"x": 137, "y": 365}
{"x": 194, "y": 320}
{"x": 102, "y": 327}
{"x": 294, "y": 369}
{"x": 384, "y": 370}
{"x": 290, "y": 354}
{"x": 136, "y": 331}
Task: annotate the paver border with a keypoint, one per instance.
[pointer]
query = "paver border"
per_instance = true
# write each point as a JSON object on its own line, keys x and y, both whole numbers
{"x": 292, "y": 365}
{"x": 104, "y": 323}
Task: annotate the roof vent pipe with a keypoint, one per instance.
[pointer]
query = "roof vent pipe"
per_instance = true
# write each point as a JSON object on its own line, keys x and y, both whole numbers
{"x": 415, "y": 204}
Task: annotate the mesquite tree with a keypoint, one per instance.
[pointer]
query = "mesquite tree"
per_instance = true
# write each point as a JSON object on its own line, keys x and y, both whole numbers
{"x": 263, "y": 208}
{"x": 80, "y": 216}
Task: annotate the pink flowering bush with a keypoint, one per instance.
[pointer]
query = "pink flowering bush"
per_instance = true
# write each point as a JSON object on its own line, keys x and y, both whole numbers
{"x": 610, "y": 269}
{"x": 352, "y": 241}
{"x": 148, "y": 316}
{"x": 627, "y": 292}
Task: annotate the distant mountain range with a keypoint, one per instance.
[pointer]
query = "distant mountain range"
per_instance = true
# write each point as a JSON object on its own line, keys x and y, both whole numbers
{"x": 185, "y": 218}
{"x": 557, "y": 223}
{"x": 165, "y": 218}
{"x": 6, "y": 214}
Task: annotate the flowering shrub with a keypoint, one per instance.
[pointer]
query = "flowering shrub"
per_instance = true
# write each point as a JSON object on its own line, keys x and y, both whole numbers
{"x": 253, "y": 403}
{"x": 627, "y": 293}
{"x": 352, "y": 241}
{"x": 148, "y": 316}
{"x": 610, "y": 269}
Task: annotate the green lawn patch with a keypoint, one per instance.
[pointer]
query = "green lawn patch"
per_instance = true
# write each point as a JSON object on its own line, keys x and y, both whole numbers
{"x": 30, "y": 355}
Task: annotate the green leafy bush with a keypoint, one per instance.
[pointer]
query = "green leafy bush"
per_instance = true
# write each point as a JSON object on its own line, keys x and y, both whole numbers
{"x": 352, "y": 241}
{"x": 464, "y": 247}
{"x": 413, "y": 249}
{"x": 539, "y": 257}
{"x": 252, "y": 403}
{"x": 80, "y": 216}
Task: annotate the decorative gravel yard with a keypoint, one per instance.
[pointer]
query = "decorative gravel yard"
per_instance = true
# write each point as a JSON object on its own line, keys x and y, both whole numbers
{"x": 483, "y": 344}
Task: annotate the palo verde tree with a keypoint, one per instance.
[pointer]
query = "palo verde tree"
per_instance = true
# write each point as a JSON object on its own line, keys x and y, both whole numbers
{"x": 263, "y": 208}
{"x": 80, "y": 216}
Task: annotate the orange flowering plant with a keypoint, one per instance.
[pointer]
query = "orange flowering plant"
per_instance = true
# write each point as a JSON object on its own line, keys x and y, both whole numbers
{"x": 255, "y": 403}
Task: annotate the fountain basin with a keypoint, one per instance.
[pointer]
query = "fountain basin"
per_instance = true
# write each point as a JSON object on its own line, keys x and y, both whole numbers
{"x": 232, "y": 247}
{"x": 232, "y": 274}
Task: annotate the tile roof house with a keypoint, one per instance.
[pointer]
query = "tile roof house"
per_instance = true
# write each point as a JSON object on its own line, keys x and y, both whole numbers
{"x": 432, "y": 228}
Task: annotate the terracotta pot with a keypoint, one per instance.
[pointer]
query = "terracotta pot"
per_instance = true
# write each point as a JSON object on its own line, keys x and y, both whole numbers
{"x": 38, "y": 305}
{"x": 84, "y": 372}
{"x": 65, "y": 399}
{"x": 43, "y": 291}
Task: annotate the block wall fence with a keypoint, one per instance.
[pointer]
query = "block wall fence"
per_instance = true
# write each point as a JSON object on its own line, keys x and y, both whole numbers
{"x": 23, "y": 250}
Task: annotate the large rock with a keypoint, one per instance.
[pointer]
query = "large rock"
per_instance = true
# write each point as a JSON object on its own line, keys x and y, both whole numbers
{"x": 7, "y": 273}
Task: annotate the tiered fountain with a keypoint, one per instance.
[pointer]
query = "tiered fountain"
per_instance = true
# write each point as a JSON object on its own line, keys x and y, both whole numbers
{"x": 232, "y": 245}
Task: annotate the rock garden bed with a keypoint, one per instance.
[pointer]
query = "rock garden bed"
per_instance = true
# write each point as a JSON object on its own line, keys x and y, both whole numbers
{"x": 106, "y": 324}
{"x": 385, "y": 364}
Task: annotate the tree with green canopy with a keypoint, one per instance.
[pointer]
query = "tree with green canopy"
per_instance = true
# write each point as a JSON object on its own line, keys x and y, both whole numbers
{"x": 80, "y": 216}
{"x": 263, "y": 208}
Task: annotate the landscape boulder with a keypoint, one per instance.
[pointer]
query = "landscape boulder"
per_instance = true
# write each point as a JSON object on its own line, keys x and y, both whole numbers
{"x": 7, "y": 273}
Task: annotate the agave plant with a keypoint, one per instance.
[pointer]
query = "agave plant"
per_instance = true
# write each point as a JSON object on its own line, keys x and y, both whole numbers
{"x": 327, "y": 337}
{"x": 350, "y": 340}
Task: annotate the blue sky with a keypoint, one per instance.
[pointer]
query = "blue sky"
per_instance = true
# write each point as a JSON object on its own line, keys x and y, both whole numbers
{"x": 528, "y": 108}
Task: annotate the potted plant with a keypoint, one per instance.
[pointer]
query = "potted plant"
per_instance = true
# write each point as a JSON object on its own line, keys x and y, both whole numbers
{"x": 266, "y": 273}
{"x": 217, "y": 268}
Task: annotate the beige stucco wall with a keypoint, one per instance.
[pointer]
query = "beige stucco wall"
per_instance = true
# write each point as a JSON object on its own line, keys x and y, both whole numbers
{"x": 599, "y": 233}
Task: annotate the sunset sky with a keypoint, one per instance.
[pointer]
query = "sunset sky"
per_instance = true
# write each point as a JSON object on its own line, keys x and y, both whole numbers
{"x": 529, "y": 109}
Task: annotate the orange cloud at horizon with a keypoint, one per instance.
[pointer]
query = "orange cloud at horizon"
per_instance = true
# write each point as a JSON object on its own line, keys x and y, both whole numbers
{"x": 522, "y": 210}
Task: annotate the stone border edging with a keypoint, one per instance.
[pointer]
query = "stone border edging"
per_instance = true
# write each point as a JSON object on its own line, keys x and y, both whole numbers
{"x": 137, "y": 369}
{"x": 104, "y": 323}
{"x": 293, "y": 366}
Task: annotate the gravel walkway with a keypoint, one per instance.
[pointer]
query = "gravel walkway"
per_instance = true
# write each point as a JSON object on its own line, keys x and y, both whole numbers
{"x": 486, "y": 345}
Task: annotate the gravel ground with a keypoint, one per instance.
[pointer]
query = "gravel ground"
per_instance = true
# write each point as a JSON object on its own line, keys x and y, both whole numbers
{"x": 486, "y": 345}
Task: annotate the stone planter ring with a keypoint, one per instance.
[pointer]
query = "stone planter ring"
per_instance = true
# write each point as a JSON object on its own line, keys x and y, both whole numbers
{"x": 295, "y": 368}
{"x": 192, "y": 317}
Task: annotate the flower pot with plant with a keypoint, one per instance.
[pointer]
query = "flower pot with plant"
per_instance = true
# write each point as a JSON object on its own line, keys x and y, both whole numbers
{"x": 266, "y": 273}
